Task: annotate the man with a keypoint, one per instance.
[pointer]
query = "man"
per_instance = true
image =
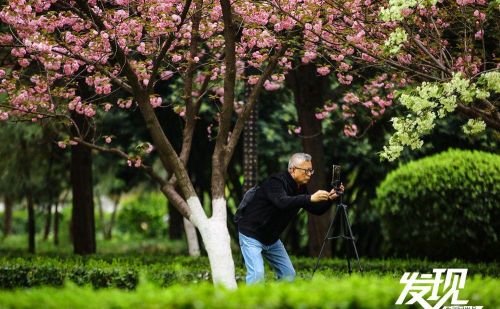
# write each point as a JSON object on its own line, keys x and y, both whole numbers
{"x": 274, "y": 205}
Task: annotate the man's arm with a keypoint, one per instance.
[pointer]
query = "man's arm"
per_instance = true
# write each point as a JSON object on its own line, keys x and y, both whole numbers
{"x": 275, "y": 191}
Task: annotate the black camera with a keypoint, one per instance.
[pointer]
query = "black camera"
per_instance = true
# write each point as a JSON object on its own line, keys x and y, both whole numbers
{"x": 336, "y": 177}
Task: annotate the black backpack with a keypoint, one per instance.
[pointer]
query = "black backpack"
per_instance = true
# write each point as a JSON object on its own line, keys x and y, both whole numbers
{"x": 247, "y": 198}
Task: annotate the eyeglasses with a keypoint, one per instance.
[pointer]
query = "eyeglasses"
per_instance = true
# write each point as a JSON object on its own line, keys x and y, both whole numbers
{"x": 309, "y": 171}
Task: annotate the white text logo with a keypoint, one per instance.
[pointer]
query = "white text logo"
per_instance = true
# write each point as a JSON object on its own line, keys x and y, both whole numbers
{"x": 436, "y": 288}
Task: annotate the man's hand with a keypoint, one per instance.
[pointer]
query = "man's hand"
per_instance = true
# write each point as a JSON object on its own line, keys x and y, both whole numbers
{"x": 333, "y": 194}
{"x": 320, "y": 195}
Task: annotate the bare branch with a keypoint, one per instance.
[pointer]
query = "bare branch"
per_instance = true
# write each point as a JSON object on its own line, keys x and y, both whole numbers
{"x": 123, "y": 155}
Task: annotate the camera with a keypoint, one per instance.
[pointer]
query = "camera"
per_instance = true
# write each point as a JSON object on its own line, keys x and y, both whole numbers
{"x": 336, "y": 177}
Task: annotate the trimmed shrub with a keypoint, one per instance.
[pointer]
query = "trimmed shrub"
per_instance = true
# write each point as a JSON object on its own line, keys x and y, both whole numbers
{"x": 442, "y": 207}
{"x": 46, "y": 275}
{"x": 13, "y": 276}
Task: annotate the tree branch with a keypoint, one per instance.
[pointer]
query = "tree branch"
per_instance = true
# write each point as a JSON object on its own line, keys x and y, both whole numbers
{"x": 220, "y": 155}
{"x": 123, "y": 155}
{"x": 252, "y": 99}
{"x": 493, "y": 121}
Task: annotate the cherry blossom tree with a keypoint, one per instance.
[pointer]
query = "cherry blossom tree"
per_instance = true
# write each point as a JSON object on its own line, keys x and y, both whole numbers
{"x": 131, "y": 48}
{"x": 435, "y": 58}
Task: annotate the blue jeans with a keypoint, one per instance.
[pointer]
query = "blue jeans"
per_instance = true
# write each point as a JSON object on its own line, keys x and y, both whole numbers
{"x": 275, "y": 254}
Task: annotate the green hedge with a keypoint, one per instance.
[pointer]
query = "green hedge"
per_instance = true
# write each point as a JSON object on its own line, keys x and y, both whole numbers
{"x": 23, "y": 274}
{"x": 164, "y": 271}
{"x": 442, "y": 207}
{"x": 321, "y": 292}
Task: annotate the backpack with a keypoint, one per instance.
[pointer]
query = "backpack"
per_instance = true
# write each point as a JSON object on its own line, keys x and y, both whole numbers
{"x": 247, "y": 198}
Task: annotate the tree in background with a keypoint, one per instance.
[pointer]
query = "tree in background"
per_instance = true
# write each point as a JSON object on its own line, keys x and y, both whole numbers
{"x": 27, "y": 171}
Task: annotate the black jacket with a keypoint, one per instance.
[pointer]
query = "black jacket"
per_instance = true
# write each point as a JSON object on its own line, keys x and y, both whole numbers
{"x": 275, "y": 203}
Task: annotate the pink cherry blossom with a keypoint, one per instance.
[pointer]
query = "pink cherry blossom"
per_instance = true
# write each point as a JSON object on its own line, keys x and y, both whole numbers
{"x": 122, "y": 103}
{"x": 479, "y": 35}
{"x": 322, "y": 115}
{"x": 252, "y": 80}
{"x": 351, "y": 98}
{"x": 271, "y": 86}
{"x": 176, "y": 58}
{"x": 350, "y": 130}
{"x": 155, "y": 101}
{"x": 165, "y": 75}
{"x": 323, "y": 71}
{"x": 337, "y": 58}
{"x": 330, "y": 108}
{"x": 24, "y": 62}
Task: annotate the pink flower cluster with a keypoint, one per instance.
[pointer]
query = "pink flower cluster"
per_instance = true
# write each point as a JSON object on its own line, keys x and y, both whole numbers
{"x": 344, "y": 79}
{"x": 271, "y": 86}
{"x": 351, "y": 98}
{"x": 465, "y": 2}
{"x": 350, "y": 130}
{"x": 323, "y": 70}
{"x": 80, "y": 107}
{"x": 102, "y": 84}
{"x": 155, "y": 101}
{"x": 136, "y": 162}
{"x": 124, "y": 103}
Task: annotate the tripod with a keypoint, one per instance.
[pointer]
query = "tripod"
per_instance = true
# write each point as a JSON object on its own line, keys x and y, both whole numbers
{"x": 345, "y": 232}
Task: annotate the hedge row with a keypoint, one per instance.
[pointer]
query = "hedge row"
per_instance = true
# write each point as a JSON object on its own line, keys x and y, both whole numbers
{"x": 346, "y": 292}
{"x": 124, "y": 273}
{"x": 99, "y": 274}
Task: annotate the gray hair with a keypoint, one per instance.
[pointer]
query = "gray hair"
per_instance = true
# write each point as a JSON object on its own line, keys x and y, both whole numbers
{"x": 298, "y": 158}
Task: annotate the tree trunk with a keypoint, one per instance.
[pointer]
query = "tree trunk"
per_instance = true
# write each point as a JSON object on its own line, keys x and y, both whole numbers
{"x": 175, "y": 222}
{"x": 48, "y": 222}
{"x": 101, "y": 216}
{"x": 308, "y": 88}
{"x": 83, "y": 222}
{"x": 31, "y": 224}
{"x": 56, "y": 225}
{"x": 109, "y": 230}
{"x": 216, "y": 239}
{"x": 7, "y": 219}
{"x": 192, "y": 238}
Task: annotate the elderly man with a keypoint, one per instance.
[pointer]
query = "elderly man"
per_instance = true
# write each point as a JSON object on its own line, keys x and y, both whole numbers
{"x": 273, "y": 206}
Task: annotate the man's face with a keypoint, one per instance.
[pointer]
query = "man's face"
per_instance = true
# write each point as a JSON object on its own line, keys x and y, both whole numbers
{"x": 302, "y": 173}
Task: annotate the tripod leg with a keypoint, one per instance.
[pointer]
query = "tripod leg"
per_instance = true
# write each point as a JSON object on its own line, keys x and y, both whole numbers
{"x": 346, "y": 235}
{"x": 352, "y": 239}
{"x": 330, "y": 228}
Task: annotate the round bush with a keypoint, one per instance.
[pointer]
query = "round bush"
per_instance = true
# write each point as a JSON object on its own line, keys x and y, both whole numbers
{"x": 442, "y": 207}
